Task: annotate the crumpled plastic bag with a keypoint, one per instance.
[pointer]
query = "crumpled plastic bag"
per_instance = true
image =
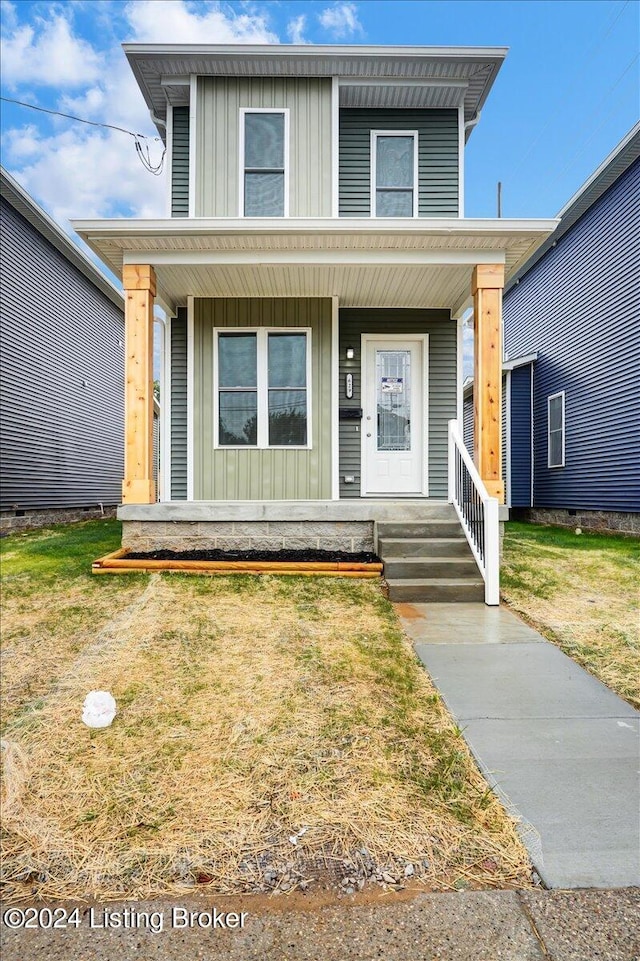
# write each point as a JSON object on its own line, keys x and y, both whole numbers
{"x": 99, "y": 709}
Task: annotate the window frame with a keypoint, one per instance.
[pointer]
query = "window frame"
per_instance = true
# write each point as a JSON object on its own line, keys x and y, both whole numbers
{"x": 242, "y": 169}
{"x": 551, "y": 397}
{"x": 262, "y": 387}
{"x": 373, "y": 147}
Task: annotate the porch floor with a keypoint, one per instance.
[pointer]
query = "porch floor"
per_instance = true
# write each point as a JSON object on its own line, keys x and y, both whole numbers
{"x": 347, "y": 509}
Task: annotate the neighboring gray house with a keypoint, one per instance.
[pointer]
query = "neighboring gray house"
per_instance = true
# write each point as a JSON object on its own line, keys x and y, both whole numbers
{"x": 315, "y": 262}
{"x": 61, "y": 373}
{"x": 572, "y": 368}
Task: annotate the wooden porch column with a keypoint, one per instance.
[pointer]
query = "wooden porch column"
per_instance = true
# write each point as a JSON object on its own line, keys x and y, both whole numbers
{"x": 139, "y": 282}
{"x": 487, "y": 284}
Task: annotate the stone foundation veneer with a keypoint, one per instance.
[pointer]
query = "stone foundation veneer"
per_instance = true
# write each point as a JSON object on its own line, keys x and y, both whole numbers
{"x": 604, "y": 522}
{"x": 31, "y": 519}
{"x": 350, "y": 536}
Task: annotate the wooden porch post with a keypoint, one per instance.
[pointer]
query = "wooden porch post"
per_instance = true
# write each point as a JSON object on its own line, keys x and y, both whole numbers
{"x": 487, "y": 284}
{"x": 139, "y": 282}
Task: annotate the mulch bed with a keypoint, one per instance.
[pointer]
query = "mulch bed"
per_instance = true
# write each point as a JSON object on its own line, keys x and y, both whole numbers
{"x": 306, "y": 556}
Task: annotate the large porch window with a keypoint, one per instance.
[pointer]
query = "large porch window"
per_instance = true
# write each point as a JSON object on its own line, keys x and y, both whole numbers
{"x": 261, "y": 388}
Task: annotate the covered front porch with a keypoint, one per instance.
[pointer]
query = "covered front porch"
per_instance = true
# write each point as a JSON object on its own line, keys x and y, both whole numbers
{"x": 367, "y": 266}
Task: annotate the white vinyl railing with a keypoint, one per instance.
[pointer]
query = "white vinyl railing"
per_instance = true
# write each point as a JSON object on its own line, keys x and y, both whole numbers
{"x": 478, "y": 513}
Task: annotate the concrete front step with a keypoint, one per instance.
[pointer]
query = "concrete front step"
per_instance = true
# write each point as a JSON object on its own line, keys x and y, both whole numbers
{"x": 426, "y": 547}
{"x": 425, "y": 529}
{"x": 420, "y": 567}
{"x": 444, "y": 590}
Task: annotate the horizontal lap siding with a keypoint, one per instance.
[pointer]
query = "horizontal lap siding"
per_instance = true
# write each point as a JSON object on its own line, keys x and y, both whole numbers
{"x": 180, "y": 163}
{"x": 521, "y": 436}
{"x": 179, "y": 406}
{"x": 219, "y": 101}
{"x": 251, "y": 474}
{"x": 442, "y": 369}
{"x": 437, "y": 158}
{"x": 62, "y": 444}
{"x": 578, "y": 308}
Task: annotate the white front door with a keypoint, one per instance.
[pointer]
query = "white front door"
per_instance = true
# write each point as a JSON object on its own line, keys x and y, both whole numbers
{"x": 394, "y": 392}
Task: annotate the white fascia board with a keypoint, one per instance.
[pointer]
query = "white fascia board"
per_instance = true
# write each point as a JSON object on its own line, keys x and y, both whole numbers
{"x": 294, "y": 225}
{"x": 522, "y": 361}
{"x": 316, "y": 257}
{"x": 312, "y": 51}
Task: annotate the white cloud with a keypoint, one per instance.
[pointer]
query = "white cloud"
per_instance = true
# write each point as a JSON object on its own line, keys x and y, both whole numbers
{"x": 79, "y": 171}
{"x": 295, "y": 29}
{"x": 341, "y": 20}
{"x": 45, "y": 53}
{"x": 174, "y": 21}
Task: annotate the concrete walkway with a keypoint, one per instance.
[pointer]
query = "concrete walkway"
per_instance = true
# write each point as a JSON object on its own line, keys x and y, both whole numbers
{"x": 562, "y": 750}
{"x": 470, "y": 926}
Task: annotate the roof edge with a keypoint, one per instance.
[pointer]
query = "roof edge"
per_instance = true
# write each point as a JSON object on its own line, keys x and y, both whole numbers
{"x": 25, "y": 205}
{"x": 623, "y": 155}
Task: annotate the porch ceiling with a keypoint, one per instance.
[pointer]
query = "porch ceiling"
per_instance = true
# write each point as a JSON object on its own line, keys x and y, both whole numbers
{"x": 363, "y": 263}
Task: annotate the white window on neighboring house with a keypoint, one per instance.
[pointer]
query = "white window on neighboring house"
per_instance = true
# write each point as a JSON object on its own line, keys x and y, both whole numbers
{"x": 262, "y": 382}
{"x": 264, "y": 175}
{"x": 555, "y": 429}
{"x": 394, "y": 173}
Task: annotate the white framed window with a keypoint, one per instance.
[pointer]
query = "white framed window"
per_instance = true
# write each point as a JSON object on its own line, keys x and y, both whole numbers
{"x": 264, "y": 162}
{"x": 394, "y": 173}
{"x": 262, "y": 384}
{"x": 555, "y": 429}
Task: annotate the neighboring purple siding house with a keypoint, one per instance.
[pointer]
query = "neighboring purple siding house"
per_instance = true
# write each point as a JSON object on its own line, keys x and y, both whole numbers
{"x": 576, "y": 305}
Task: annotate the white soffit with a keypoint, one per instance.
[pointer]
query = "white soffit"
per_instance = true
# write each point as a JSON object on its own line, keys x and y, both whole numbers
{"x": 362, "y": 264}
{"x": 156, "y": 65}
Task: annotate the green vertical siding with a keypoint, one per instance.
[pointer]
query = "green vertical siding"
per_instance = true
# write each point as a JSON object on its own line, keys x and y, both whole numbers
{"x": 219, "y": 100}
{"x": 437, "y": 158}
{"x": 179, "y": 406}
{"x": 442, "y": 369}
{"x": 180, "y": 163}
{"x": 251, "y": 474}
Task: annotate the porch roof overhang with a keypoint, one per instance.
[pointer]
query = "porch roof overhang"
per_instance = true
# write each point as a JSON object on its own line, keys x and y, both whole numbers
{"x": 364, "y": 263}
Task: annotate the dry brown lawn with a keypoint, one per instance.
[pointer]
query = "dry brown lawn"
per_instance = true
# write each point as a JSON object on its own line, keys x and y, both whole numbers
{"x": 267, "y": 728}
{"x": 583, "y": 593}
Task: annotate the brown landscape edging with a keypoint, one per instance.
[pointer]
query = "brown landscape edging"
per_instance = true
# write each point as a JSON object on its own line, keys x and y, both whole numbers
{"x": 117, "y": 563}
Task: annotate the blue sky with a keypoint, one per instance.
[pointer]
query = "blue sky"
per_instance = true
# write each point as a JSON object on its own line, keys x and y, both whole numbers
{"x": 566, "y": 95}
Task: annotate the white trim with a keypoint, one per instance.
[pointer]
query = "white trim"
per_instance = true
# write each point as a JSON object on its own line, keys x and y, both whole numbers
{"x": 507, "y": 440}
{"x": 402, "y": 338}
{"x": 262, "y": 387}
{"x": 243, "y": 111}
{"x": 335, "y": 399}
{"x": 461, "y": 142}
{"x": 373, "y": 138}
{"x": 385, "y": 226}
{"x": 459, "y": 369}
{"x": 335, "y": 147}
{"x": 454, "y": 257}
{"x": 168, "y": 163}
{"x": 190, "y": 397}
{"x": 165, "y": 413}
{"x": 533, "y": 439}
{"x": 512, "y": 362}
{"x": 551, "y": 397}
{"x": 193, "y": 141}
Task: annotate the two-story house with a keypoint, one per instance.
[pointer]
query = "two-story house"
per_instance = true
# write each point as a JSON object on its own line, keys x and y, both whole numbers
{"x": 315, "y": 263}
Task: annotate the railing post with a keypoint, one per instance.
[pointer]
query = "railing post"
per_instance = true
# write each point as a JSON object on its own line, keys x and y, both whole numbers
{"x": 452, "y": 461}
{"x": 492, "y": 551}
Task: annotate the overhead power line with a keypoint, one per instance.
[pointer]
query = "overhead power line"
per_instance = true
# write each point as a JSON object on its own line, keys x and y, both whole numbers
{"x": 142, "y": 150}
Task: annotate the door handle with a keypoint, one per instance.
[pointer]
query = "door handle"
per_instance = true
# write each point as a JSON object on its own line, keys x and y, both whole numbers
{"x": 368, "y": 435}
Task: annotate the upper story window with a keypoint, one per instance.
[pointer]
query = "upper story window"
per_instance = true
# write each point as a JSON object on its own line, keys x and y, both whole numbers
{"x": 555, "y": 423}
{"x": 394, "y": 173}
{"x": 264, "y": 136}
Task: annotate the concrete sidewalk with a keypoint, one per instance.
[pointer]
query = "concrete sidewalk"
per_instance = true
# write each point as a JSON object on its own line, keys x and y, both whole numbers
{"x": 562, "y": 750}
{"x": 470, "y": 926}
